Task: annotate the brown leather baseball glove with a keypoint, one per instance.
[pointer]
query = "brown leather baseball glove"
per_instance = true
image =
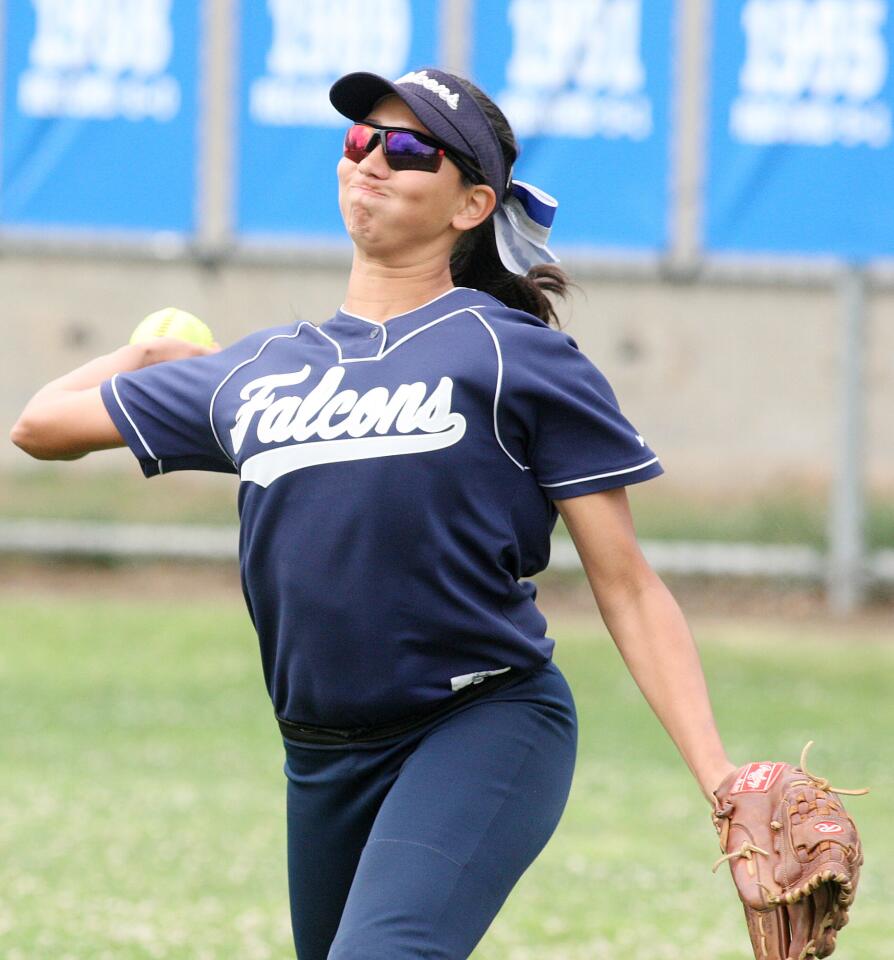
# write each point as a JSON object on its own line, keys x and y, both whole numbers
{"x": 794, "y": 853}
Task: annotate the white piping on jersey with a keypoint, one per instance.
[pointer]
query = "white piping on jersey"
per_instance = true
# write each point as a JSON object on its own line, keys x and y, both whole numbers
{"x": 341, "y": 360}
{"x": 381, "y": 353}
{"x": 337, "y": 345}
{"x": 599, "y": 476}
{"x": 430, "y": 323}
{"x": 379, "y": 323}
{"x": 474, "y": 311}
{"x": 277, "y": 336}
{"x": 130, "y": 421}
{"x": 493, "y": 335}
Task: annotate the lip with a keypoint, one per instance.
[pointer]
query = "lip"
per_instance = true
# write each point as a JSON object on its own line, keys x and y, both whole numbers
{"x": 365, "y": 189}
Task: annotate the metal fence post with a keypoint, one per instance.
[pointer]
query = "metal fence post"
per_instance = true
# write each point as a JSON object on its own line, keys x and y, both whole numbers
{"x": 691, "y": 53}
{"x": 215, "y": 172}
{"x": 455, "y": 29}
{"x": 846, "y": 574}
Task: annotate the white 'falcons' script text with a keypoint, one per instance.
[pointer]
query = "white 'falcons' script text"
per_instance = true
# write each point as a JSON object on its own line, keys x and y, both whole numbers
{"x": 364, "y": 429}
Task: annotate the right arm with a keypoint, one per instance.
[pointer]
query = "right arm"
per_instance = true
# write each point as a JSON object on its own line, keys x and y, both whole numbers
{"x": 67, "y": 418}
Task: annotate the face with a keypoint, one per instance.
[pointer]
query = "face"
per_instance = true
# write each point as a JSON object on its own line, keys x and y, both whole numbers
{"x": 406, "y": 214}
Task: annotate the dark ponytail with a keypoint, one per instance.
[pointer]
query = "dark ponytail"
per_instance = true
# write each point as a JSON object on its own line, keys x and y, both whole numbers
{"x": 475, "y": 261}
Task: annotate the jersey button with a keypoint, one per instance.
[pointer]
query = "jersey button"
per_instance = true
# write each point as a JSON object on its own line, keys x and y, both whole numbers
{"x": 373, "y": 333}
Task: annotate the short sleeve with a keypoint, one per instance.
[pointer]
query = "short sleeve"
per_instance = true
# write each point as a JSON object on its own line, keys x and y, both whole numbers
{"x": 163, "y": 412}
{"x": 577, "y": 439}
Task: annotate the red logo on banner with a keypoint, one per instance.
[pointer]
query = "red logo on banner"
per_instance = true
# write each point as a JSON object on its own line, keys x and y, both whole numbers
{"x": 827, "y": 826}
{"x": 757, "y": 777}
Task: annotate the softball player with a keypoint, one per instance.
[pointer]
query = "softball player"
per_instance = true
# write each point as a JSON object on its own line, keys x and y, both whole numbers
{"x": 402, "y": 465}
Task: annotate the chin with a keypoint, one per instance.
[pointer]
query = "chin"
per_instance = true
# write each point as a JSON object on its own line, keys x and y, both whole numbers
{"x": 365, "y": 236}
{"x": 367, "y": 229}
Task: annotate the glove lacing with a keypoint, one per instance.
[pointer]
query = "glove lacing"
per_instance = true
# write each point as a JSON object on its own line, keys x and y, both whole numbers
{"x": 823, "y": 784}
{"x": 747, "y": 850}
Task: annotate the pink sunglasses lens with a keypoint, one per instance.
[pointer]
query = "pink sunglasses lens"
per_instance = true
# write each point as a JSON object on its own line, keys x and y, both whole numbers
{"x": 357, "y": 141}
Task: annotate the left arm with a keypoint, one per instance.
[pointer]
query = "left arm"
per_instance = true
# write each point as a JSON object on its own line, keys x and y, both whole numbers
{"x": 648, "y": 628}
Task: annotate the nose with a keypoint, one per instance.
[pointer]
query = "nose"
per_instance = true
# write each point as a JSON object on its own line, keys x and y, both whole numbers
{"x": 374, "y": 162}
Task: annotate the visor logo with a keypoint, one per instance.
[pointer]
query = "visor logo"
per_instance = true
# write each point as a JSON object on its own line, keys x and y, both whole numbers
{"x": 424, "y": 80}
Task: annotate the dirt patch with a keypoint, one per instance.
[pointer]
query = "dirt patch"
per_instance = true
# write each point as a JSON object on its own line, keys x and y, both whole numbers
{"x": 120, "y": 581}
{"x": 568, "y": 597}
{"x": 751, "y": 602}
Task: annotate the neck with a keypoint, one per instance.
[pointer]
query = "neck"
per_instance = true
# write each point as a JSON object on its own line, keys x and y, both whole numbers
{"x": 378, "y": 290}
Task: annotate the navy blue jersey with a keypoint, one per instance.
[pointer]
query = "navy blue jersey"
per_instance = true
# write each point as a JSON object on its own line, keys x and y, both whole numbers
{"x": 397, "y": 481}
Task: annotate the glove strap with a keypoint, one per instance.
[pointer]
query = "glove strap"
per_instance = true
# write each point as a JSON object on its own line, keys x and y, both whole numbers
{"x": 822, "y": 783}
{"x": 746, "y": 851}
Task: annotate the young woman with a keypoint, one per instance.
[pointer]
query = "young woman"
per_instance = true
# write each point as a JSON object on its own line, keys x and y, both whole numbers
{"x": 402, "y": 465}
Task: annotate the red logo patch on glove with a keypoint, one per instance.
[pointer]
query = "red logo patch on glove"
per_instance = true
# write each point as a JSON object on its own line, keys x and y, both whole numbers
{"x": 828, "y": 826}
{"x": 757, "y": 777}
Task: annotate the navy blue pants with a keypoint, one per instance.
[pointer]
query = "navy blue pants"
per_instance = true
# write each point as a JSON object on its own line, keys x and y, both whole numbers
{"x": 408, "y": 847}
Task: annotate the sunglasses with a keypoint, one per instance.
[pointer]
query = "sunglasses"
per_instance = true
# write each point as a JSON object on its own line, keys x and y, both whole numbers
{"x": 404, "y": 149}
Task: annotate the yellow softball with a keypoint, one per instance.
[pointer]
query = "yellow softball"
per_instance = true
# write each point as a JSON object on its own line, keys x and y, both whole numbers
{"x": 172, "y": 322}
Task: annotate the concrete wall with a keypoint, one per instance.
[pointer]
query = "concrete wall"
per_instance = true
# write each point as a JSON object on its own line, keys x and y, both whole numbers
{"x": 735, "y": 385}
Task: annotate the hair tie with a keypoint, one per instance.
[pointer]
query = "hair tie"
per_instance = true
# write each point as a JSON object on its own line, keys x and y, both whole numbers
{"x": 522, "y": 226}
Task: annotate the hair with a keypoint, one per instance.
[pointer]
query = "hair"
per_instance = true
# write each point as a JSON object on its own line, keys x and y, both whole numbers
{"x": 475, "y": 260}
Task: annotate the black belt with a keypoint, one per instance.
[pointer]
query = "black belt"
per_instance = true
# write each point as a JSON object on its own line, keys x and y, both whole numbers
{"x": 311, "y": 734}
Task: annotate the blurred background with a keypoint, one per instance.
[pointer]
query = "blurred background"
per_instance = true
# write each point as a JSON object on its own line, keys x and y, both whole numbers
{"x": 725, "y": 177}
{"x": 725, "y": 174}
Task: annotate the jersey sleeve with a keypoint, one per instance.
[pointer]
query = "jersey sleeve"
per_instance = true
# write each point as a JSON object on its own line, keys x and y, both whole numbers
{"x": 163, "y": 412}
{"x": 577, "y": 440}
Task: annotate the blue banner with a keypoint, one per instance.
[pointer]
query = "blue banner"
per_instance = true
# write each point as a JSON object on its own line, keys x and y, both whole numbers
{"x": 586, "y": 86}
{"x": 98, "y": 125}
{"x": 290, "y": 137}
{"x": 801, "y": 152}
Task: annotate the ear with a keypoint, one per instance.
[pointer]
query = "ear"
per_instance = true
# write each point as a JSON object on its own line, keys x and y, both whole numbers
{"x": 477, "y": 206}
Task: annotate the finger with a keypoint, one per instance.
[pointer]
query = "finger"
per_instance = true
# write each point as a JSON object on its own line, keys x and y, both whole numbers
{"x": 826, "y": 919}
{"x": 800, "y": 918}
{"x": 769, "y": 932}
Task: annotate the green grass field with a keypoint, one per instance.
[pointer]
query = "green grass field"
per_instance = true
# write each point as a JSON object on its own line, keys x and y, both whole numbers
{"x": 142, "y": 809}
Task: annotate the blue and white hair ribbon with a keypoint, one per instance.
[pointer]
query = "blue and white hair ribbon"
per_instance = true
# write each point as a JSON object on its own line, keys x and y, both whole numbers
{"x": 522, "y": 225}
